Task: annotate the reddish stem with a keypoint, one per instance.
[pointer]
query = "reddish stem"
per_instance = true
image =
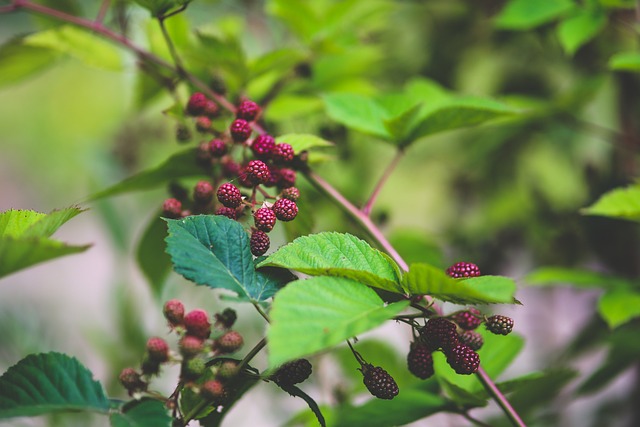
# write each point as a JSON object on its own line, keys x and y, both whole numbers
{"x": 104, "y": 7}
{"x": 366, "y": 209}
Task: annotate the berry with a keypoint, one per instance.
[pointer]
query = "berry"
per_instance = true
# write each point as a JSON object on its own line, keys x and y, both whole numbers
{"x": 463, "y": 269}
{"x": 229, "y": 195}
{"x": 197, "y": 324}
{"x": 439, "y": 333}
{"x": 211, "y": 109}
{"x": 275, "y": 177}
{"x": 285, "y": 209}
{"x": 248, "y": 110}
{"x": 228, "y": 369}
{"x": 469, "y": 319}
{"x": 379, "y": 382}
{"x": 291, "y": 193}
{"x": 203, "y": 192}
{"x": 179, "y": 192}
{"x": 244, "y": 179}
{"x": 183, "y": 134}
{"x": 282, "y": 153}
{"x": 499, "y": 325}
{"x": 287, "y": 178}
{"x": 420, "y": 360}
{"x": 262, "y": 146}
{"x": 173, "y": 311}
{"x": 226, "y": 319}
{"x": 158, "y": 349}
{"x": 259, "y": 242}
{"x": 171, "y": 208}
{"x": 463, "y": 359}
{"x": 191, "y": 369}
{"x": 230, "y": 342}
{"x": 240, "y": 130}
{"x": 131, "y": 380}
{"x": 264, "y": 219}
{"x": 196, "y": 104}
{"x": 203, "y": 155}
{"x": 217, "y": 148}
{"x": 213, "y": 390}
{"x": 190, "y": 346}
{"x": 472, "y": 339}
{"x": 258, "y": 172}
{"x": 150, "y": 366}
{"x": 230, "y": 169}
{"x": 293, "y": 372}
{"x": 203, "y": 124}
{"x": 228, "y": 212}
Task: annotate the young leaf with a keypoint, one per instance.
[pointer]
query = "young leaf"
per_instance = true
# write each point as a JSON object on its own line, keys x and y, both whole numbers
{"x": 578, "y": 29}
{"x": 625, "y": 61}
{"x": 337, "y": 254}
{"x": 623, "y": 203}
{"x": 315, "y": 314}
{"x": 358, "y": 112}
{"x": 424, "y": 279}
{"x": 213, "y": 250}
{"x": 152, "y": 259}
{"x": 141, "y": 413}
{"x": 47, "y": 383}
{"x": 619, "y": 306}
{"x": 527, "y": 14}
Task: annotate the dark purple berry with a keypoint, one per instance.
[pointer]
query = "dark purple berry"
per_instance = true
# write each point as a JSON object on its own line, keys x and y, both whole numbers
{"x": 203, "y": 124}
{"x": 293, "y": 372}
{"x": 291, "y": 193}
{"x": 264, "y": 219}
{"x": 197, "y": 104}
{"x": 217, "y": 148}
{"x": 275, "y": 176}
{"x": 463, "y": 269}
{"x": 420, "y": 360}
{"x": 499, "y": 325}
{"x": 228, "y": 212}
{"x": 285, "y": 209}
{"x": 229, "y": 195}
{"x": 439, "y": 333}
{"x": 258, "y": 172}
{"x": 379, "y": 382}
{"x": 262, "y": 146}
{"x": 471, "y": 338}
{"x": 230, "y": 169}
{"x": 171, "y": 208}
{"x": 463, "y": 359}
{"x": 240, "y": 130}
{"x": 203, "y": 192}
{"x": 259, "y": 242}
{"x": 283, "y": 153}
{"x": 287, "y": 178}
{"x": 211, "y": 109}
{"x": 248, "y": 110}
{"x": 469, "y": 319}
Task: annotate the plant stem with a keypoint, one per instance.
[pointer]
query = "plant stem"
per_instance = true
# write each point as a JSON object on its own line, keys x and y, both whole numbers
{"x": 261, "y": 344}
{"x": 500, "y": 398}
{"x": 261, "y": 311}
{"x": 104, "y": 7}
{"x": 366, "y": 209}
{"x": 172, "y": 48}
{"x": 474, "y": 420}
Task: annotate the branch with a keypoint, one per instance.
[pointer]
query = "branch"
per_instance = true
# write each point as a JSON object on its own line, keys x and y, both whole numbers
{"x": 500, "y": 398}
{"x": 366, "y": 209}
{"x": 104, "y": 7}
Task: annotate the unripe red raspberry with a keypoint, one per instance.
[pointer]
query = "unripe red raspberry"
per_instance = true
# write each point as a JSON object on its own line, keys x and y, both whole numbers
{"x": 183, "y": 134}
{"x": 240, "y": 130}
{"x": 248, "y": 110}
{"x": 196, "y": 104}
{"x": 203, "y": 192}
{"x": 173, "y": 311}
{"x": 379, "y": 382}
{"x": 264, "y": 219}
{"x": 285, "y": 209}
{"x": 420, "y": 360}
{"x": 211, "y": 109}
{"x": 217, "y": 148}
{"x": 259, "y": 242}
{"x": 228, "y": 212}
{"x": 158, "y": 349}
{"x": 192, "y": 369}
{"x": 213, "y": 390}
{"x": 229, "y": 195}
{"x": 473, "y": 339}
{"x": 258, "y": 172}
{"x": 226, "y": 319}
{"x": 203, "y": 124}
{"x": 283, "y": 153}
{"x": 463, "y": 359}
{"x": 171, "y": 208}
{"x": 262, "y": 146}
{"x": 132, "y": 381}
{"x": 287, "y": 178}
{"x": 190, "y": 346}
{"x": 197, "y": 324}
{"x": 230, "y": 169}
{"x": 227, "y": 369}
{"x": 469, "y": 319}
{"x": 500, "y": 325}
{"x": 463, "y": 269}
{"x": 439, "y": 333}
{"x": 293, "y": 372}
{"x": 291, "y": 193}
{"x": 230, "y": 342}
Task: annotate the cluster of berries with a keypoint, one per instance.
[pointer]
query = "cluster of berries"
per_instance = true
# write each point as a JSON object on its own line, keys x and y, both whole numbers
{"x": 265, "y": 164}
{"x": 199, "y": 341}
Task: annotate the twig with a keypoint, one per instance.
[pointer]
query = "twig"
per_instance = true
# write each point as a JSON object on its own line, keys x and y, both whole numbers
{"x": 264, "y": 315}
{"x": 252, "y": 353}
{"x": 104, "y": 7}
{"x": 172, "y": 48}
{"x": 474, "y": 420}
{"x": 366, "y": 209}
{"x": 500, "y": 398}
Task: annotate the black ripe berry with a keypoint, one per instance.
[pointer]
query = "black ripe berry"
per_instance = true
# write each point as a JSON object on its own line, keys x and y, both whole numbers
{"x": 500, "y": 325}
{"x": 293, "y": 372}
{"x": 259, "y": 242}
{"x": 439, "y": 333}
{"x": 463, "y": 359}
{"x": 229, "y": 195}
{"x": 463, "y": 269}
{"x": 420, "y": 360}
{"x": 264, "y": 219}
{"x": 285, "y": 209}
{"x": 379, "y": 382}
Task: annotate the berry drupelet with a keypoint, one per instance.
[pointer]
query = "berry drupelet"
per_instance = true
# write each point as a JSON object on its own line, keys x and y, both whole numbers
{"x": 264, "y": 219}
{"x": 240, "y": 130}
{"x": 293, "y": 372}
{"x": 229, "y": 195}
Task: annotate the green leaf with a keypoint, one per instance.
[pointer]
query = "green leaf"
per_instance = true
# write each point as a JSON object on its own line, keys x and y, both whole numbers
{"x": 24, "y": 238}
{"x": 299, "y": 16}
{"x": 281, "y": 59}
{"x": 19, "y": 61}
{"x": 623, "y": 203}
{"x": 549, "y": 276}
{"x": 619, "y": 306}
{"x": 142, "y": 413}
{"x": 80, "y": 44}
{"x": 179, "y": 165}
{"x": 460, "y": 396}
{"x": 312, "y": 315}
{"x": 424, "y": 279}
{"x": 358, "y": 112}
{"x": 338, "y": 254}
{"x": 47, "y": 383}
{"x": 152, "y": 259}
{"x": 625, "y": 61}
{"x": 527, "y": 14}
{"x": 213, "y": 250}
{"x": 578, "y": 29}
{"x": 303, "y": 142}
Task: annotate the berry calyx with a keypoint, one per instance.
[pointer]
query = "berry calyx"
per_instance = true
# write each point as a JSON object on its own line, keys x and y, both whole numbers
{"x": 197, "y": 324}
{"x": 472, "y": 339}
{"x": 283, "y": 153}
{"x": 262, "y": 146}
{"x": 203, "y": 192}
{"x": 285, "y": 209}
{"x": 230, "y": 342}
{"x": 132, "y": 381}
{"x": 229, "y": 195}
{"x": 158, "y": 349}
{"x": 499, "y": 325}
{"x": 463, "y": 269}
{"x": 463, "y": 359}
{"x": 248, "y": 110}
{"x": 379, "y": 382}
{"x": 196, "y": 104}
{"x": 173, "y": 311}
{"x": 240, "y": 130}
{"x": 264, "y": 219}
{"x": 439, "y": 333}
{"x": 259, "y": 242}
{"x": 469, "y": 319}
{"x": 258, "y": 172}
{"x": 213, "y": 390}
{"x": 171, "y": 208}
{"x": 420, "y": 360}
{"x": 293, "y": 372}
{"x": 228, "y": 212}
{"x": 190, "y": 346}
{"x": 291, "y": 193}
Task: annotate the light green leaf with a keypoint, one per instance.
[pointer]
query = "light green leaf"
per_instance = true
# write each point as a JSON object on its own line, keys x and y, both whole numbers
{"x": 301, "y": 141}
{"x": 619, "y": 306}
{"x": 625, "y": 61}
{"x": 358, "y": 112}
{"x": 47, "y": 383}
{"x": 578, "y": 29}
{"x": 286, "y": 106}
{"x": 19, "y": 61}
{"x": 623, "y": 203}
{"x": 141, "y": 413}
{"x": 315, "y": 314}
{"x": 280, "y": 59}
{"x": 338, "y": 254}
{"x": 549, "y": 276}
{"x": 527, "y": 14}
{"x": 80, "y": 44}
{"x": 424, "y": 279}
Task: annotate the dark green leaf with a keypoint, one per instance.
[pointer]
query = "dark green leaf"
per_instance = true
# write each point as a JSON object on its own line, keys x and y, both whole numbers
{"x": 338, "y": 254}
{"x": 462, "y": 397}
{"x": 619, "y": 306}
{"x": 312, "y": 315}
{"x": 424, "y": 279}
{"x": 213, "y": 250}
{"x": 578, "y": 29}
{"x": 47, "y": 383}
{"x": 527, "y": 14}
{"x": 141, "y": 413}
{"x": 152, "y": 259}
{"x": 550, "y": 276}
{"x": 623, "y": 203}
{"x": 625, "y": 61}
{"x": 19, "y": 61}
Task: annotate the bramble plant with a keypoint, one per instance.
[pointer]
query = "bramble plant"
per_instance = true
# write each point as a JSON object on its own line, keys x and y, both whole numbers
{"x": 243, "y": 197}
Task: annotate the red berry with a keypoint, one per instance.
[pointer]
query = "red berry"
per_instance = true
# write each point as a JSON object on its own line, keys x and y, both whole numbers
{"x": 379, "y": 382}
{"x": 203, "y": 124}
{"x": 171, "y": 208}
{"x": 469, "y": 319}
{"x": 258, "y": 172}
{"x": 244, "y": 179}
{"x": 463, "y": 359}
{"x": 291, "y": 193}
{"x": 420, "y": 360}
{"x": 500, "y": 325}
{"x": 197, "y": 103}
{"x": 228, "y": 212}
{"x": 217, "y": 148}
{"x": 439, "y": 333}
{"x": 213, "y": 390}
{"x": 240, "y": 130}
{"x": 197, "y": 324}
{"x": 262, "y": 146}
{"x": 203, "y": 192}
{"x": 248, "y": 110}
{"x": 264, "y": 219}
{"x": 230, "y": 342}
{"x": 173, "y": 311}
{"x": 283, "y": 153}
{"x": 158, "y": 349}
{"x": 229, "y": 195}
{"x": 285, "y": 209}
{"x": 190, "y": 346}
{"x": 211, "y": 109}
{"x": 287, "y": 178}
{"x": 463, "y": 269}
{"x": 259, "y": 242}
